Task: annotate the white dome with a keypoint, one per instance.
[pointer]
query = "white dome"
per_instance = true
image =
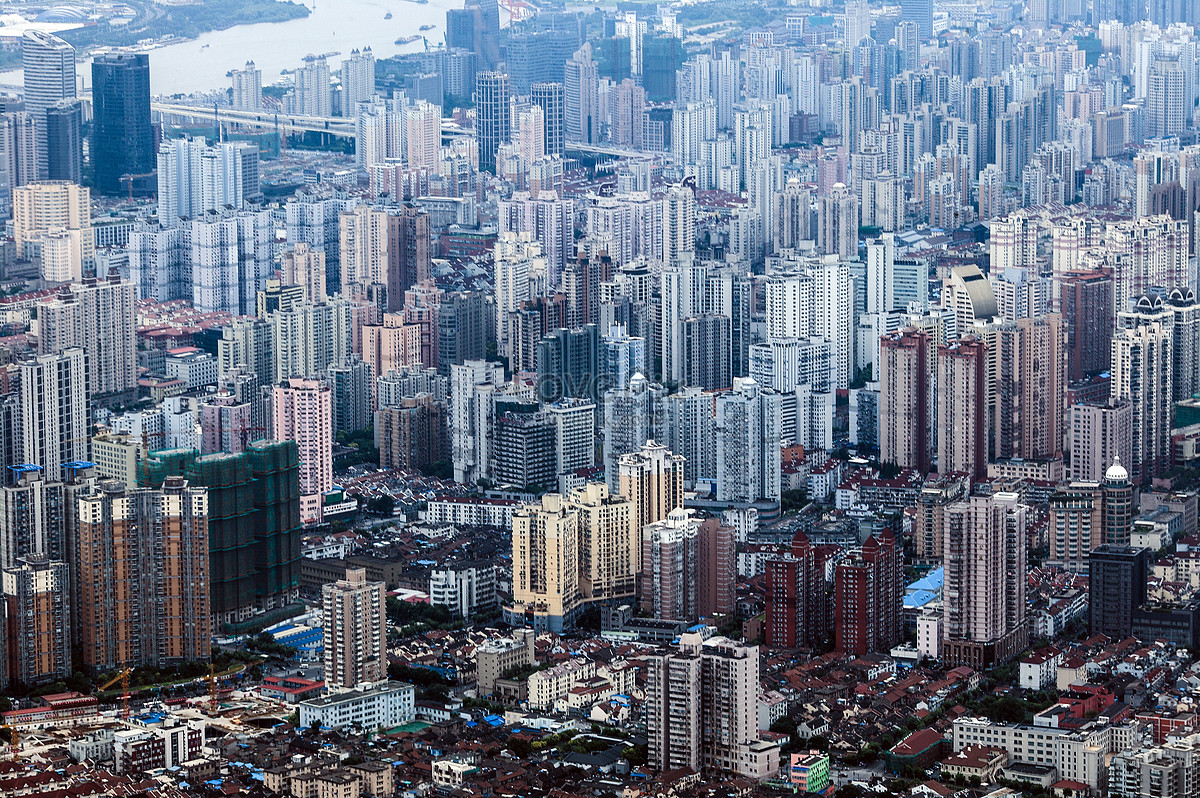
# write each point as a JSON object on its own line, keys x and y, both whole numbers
{"x": 1116, "y": 472}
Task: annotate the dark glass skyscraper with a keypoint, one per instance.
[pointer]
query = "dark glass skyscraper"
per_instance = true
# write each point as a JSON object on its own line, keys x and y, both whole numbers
{"x": 549, "y": 96}
{"x": 920, "y": 12}
{"x": 492, "y": 121}
{"x": 123, "y": 138}
{"x": 64, "y": 141}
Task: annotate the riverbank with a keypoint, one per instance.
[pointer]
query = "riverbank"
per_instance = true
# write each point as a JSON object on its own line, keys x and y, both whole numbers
{"x": 155, "y": 22}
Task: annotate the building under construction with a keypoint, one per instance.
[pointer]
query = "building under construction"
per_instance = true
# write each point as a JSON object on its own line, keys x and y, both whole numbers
{"x": 253, "y": 526}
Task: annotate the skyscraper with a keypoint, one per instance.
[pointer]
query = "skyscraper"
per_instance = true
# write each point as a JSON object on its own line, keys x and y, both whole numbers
{"x": 652, "y": 479}
{"x": 1028, "y": 400}
{"x": 64, "y": 141}
{"x": 55, "y": 219}
{"x": 141, "y": 575}
{"x": 38, "y": 614}
{"x": 838, "y": 223}
{"x": 920, "y": 13}
{"x": 984, "y": 599}
{"x": 302, "y": 411}
{"x": 54, "y": 411}
{"x": 962, "y": 407}
{"x": 1117, "y": 586}
{"x": 609, "y": 557}
{"x": 247, "y": 87}
{"x": 581, "y": 111}
{"x": 48, "y": 64}
{"x": 549, "y": 97}
{"x": 797, "y": 607}
{"x": 122, "y": 136}
{"x": 904, "y": 400}
{"x": 545, "y": 565}
{"x": 1141, "y": 374}
{"x": 748, "y": 439}
{"x": 1099, "y": 433}
{"x": 868, "y": 595}
{"x": 493, "y": 124}
{"x": 358, "y": 80}
{"x": 355, "y": 623}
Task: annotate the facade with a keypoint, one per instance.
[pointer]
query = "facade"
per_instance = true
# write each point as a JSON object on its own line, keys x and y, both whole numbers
{"x": 385, "y": 705}
{"x": 48, "y": 66}
{"x": 1117, "y": 578}
{"x": 545, "y": 565}
{"x": 141, "y": 576}
{"x": 1099, "y": 434}
{"x": 702, "y": 709}
{"x": 748, "y": 439}
{"x": 122, "y": 137}
{"x": 38, "y": 613}
{"x": 355, "y": 625}
{"x": 984, "y": 595}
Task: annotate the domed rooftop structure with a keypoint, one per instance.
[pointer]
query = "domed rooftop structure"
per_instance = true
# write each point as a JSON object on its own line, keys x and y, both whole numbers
{"x": 1116, "y": 472}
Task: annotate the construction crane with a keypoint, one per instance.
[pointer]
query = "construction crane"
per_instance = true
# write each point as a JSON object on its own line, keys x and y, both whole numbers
{"x": 123, "y": 678}
{"x": 246, "y": 435}
{"x": 130, "y": 178}
{"x": 14, "y": 739}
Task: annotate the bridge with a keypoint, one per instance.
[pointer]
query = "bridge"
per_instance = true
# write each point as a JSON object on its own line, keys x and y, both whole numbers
{"x": 338, "y": 126}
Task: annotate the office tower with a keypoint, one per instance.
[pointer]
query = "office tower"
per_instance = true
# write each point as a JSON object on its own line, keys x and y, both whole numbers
{"x": 797, "y": 605}
{"x": 1117, "y": 586}
{"x": 701, "y": 708}
{"x": 48, "y": 64}
{"x": 652, "y": 479}
{"x": 64, "y": 141}
{"x": 748, "y": 438}
{"x": 984, "y": 596}
{"x": 355, "y": 623}
{"x": 1141, "y": 372}
{"x": 1117, "y": 495}
{"x": 609, "y": 557}
{"x": 1100, "y": 433}
{"x": 195, "y": 176}
{"x": 38, "y": 613}
{"x": 492, "y": 116}
{"x": 1029, "y": 370}
{"x": 962, "y": 407}
{"x": 524, "y": 445}
{"x": 122, "y": 137}
{"x": 18, "y": 153}
{"x": 54, "y": 413}
{"x": 53, "y": 220}
{"x": 904, "y": 416}
{"x": 231, "y": 256}
{"x": 920, "y": 13}
{"x": 1087, "y": 296}
{"x": 302, "y": 411}
{"x": 253, "y": 524}
{"x": 141, "y": 575}
{"x": 662, "y": 57}
{"x": 868, "y": 596}
{"x": 358, "y": 79}
{"x": 311, "y": 92}
{"x": 546, "y": 562}
{"x": 304, "y": 266}
{"x": 247, "y": 88}
{"x": 581, "y": 106}
{"x": 550, "y": 98}
{"x": 838, "y": 223}
{"x": 33, "y": 517}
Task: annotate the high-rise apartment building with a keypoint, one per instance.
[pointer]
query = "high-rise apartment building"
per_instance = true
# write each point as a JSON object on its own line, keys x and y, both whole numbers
{"x": 701, "y": 708}
{"x": 38, "y": 622}
{"x": 358, "y": 79}
{"x": 747, "y": 424}
{"x": 98, "y": 316}
{"x": 1100, "y": 433}
{"x": 550, "y": 98}
{"x": 302, "y": 411}
{"x": 838, "y": 223}
{"x": 1028, "y": 371}
{"x": 984, "y": 540}
{"x": 33, "y": 517}
{"x": 54, "y": 411}
{"x": 904, "y": 413}
{"x": 1141, "y": 371}
{"x": 122, "y": 136}
{"x": 1086, "y": 515}
{"x": 53, "y": 221}
{"x": 797, "y": 604}
{"x": 545, "y": 565}
{"x": 1086, "y": 297}
{"x": 652, "y": 479}
{"x": 355, "y": 622}
{"x": 247, "y": 87}
{"x": 868, "y": 596}
{"x": 609, "y": 557}
{"x": 962, "y": 407}
{"x": 196, "y": 176}
{"x": 141, "y": 575}
{"x": 312, "y": 94}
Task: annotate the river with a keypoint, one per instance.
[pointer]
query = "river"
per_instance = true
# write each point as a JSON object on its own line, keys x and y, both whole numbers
{"x": 333, "y": 26}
